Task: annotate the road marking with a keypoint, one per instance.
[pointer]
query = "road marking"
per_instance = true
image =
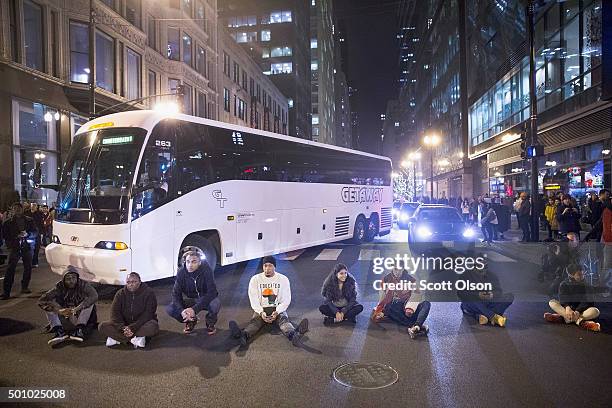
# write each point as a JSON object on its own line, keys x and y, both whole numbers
{"x": 291, "y": 256}
{"x": 496, "y": 257}
{"x": 329, "y": 254}
{"x": 368, "y": 254}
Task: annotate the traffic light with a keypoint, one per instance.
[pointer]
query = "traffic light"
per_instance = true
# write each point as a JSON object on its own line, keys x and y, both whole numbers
{"x": 534, "y": 151}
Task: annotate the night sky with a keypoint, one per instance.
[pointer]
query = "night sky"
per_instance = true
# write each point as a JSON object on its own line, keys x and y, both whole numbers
{"x": 371, "y": 29}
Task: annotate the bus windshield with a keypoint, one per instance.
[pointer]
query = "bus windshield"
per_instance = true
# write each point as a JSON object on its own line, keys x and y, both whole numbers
{"x": 97, "y": 176}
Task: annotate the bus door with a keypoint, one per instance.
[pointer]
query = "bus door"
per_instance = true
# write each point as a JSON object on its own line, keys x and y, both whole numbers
{"x": 152, "y": 229}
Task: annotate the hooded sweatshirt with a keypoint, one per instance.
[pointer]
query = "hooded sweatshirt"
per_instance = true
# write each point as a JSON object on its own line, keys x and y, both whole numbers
{"x": 133, "y": 309}
{"x": 268, "y": 292}
{"x": 199, "y": 285}
{"x": 82, "y": 295}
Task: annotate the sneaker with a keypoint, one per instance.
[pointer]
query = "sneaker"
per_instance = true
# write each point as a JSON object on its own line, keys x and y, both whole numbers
{"x": 413, "y": 331}
{"x": 302, "y": 327}
{"x": 482, "y": 319}
{"x": 110, "y": 342}
{"x": 296, "y": 338}
{"x": 553, "y": 317}
{"x": 59, "y": 336}
{"x": 78, "y": 335}
{"x": 499, "y": 320}
{"x": 590, "y": 326}
{"x": 425, "y": 329}
{"x": 328, "y": 320}
{"x": 5, "y": 296}
{"x": 138, "y": 342}
{"x": 34, "y": 265}
{"x": 26, "y": 291}
{"x": 189, "y": 326}
{"x": 210, "y": 330}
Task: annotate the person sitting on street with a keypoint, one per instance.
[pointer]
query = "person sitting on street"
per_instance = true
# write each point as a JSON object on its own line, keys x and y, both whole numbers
{"x": 401, "y": 306}
{"x": 270, "y": 297}
{"x": 340, "y": 293}
{"x": 15, "y": 231}
{"x": 485, "y": 306}
{"x": 133, "y": 314}
{"x": 195, "y": 280}
{"x": 70, "y": 307}
{"x": 574, "y": 303}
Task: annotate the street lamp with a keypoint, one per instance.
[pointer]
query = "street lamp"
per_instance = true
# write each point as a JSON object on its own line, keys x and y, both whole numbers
{"x": 431, "y": 141}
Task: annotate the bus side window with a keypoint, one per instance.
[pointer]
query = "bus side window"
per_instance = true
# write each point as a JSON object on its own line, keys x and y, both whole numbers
{"x": 155, "y": 184}
{"x": 193, "y": 158}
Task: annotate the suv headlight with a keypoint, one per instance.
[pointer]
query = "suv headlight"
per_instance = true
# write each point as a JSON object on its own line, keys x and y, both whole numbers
{"x": 424, "y": 232}
{"x": 469, "y": 233}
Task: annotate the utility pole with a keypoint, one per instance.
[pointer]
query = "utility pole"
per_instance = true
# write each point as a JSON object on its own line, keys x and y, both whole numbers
{"x": 532, "y": 126}
{"x": 92, "y": 61}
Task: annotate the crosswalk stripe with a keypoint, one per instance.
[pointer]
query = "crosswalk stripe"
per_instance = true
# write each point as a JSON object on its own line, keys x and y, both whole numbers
{"x": 368, "y": 254}
{"x": 496, "y": 257}
{"x": 291, "y": 256}
{"x": 329, "y": 254}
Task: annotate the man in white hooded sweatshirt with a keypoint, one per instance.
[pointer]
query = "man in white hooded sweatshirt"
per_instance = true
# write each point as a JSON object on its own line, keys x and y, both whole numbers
{"x": 270, "y": 296}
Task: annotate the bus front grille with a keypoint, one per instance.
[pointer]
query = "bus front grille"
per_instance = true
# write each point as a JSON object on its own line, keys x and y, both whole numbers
{"x": 342, "y": 226}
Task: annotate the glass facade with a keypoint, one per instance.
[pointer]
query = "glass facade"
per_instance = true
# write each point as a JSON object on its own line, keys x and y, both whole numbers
{"x": 33, "y": 35}
{"x": 105, "y": 62}
{"x": 567, "y": 63}
{"x": 133, "y": 87}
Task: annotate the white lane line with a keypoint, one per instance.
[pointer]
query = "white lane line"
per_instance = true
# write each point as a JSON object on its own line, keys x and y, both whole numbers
{"x": 291, "y": 256}
{"x": 368, "y": 254}
{"x": 496, "y": 257}
{"x": 329, "y": 254}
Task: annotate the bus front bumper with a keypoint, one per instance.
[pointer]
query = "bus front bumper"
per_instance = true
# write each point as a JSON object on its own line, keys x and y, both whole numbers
{"x": 93, "y": 264}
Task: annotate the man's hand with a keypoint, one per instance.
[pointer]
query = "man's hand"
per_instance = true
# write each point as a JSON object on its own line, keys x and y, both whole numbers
{"x": 266, "y": 318}
{"x": 127, "y": 332}
{"x": 339, "y": 317}
{"x": 274, "y": 315}
{"x": 485, "y": 295}
{"x": 569, "y": 314}
{"x": 66, "y": 312}
{"x": 408, "y": 312}
{"x": 188, "y": 314}
{"x": 576, "y": 316}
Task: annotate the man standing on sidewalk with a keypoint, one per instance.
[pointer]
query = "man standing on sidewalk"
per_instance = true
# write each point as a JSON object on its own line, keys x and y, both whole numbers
{"x": 524, "y": 214}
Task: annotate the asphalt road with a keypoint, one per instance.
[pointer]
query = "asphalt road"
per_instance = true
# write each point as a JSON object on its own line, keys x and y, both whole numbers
{"x": 459, "y": 364}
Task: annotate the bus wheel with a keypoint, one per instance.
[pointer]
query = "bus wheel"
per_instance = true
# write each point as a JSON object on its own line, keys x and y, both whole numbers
{"x": 201, "y": 244}
{"x": 359, "y": 232}
{"x": 372, "y": 229}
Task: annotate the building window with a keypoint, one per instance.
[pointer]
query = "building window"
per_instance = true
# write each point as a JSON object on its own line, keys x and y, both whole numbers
{"x": 290, "y": 102}
{"x": 133, "y": 75}
{"x": 242, "y": 108}
{"x": 281, "y": 68}
{"x": 35, "y": 132}
{"x": 280, "y": 52}
{"x": 54, "y": 45}
{"x": 226, "y": 99}
{"x": 313, "y": 43}
{"x": 252, "y": 87}
{"x": 79, "y": 52}
{"x": 265, "y": 52}
{"x": 226, "y": 64}
{"x": 132, "y": 12}
{"x": 314, "y": 66}
{"x": 244, "y": 79}
{"x": 152, "y": 86}
{"x": 187, "y": 100}
{"x": 186, "y": 6}
{"x": 279, "y": 17}
{"x": 174, "y": 52}
{"x": 105, "y": 62}
{"x": 201, "y": 14}
{"x": 187, "y": 50}
{"x": 33, "y": 35}
{"x": 201, "y": 61}
{"x": 201, "y": 104}
{"x": 152, "y": 33}
{"x": 315, "y": 119}
{"x": 265, "y": 35}
{"x": 236, "y": 73}
{"x": 15, "y": 51}
{"x": 245, "y": 37}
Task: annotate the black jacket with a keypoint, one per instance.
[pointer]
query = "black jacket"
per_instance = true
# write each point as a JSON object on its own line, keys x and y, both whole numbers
{"x": 133, "y": 309}
{"x": 577, "y": 295}
{"x": 570, "y": 221}
{"x": 199, "y": 285}
{"x": 13, "y": 227}
{"x": 82, "y": 295}
{"x": 331, "y": 292}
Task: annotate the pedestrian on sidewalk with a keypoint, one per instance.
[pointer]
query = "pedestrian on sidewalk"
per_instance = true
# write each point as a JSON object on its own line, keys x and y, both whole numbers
{"x": 340, "y": 293}
{"x": 489, "y": 223}
{"x": 465, "y": 210}
{"x": 568, "y": 216}
{"x": 524, "y": 216}
{"x": 550, "y": 213}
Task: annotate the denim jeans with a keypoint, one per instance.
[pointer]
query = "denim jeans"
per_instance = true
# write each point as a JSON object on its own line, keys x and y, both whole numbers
{"x": 395, "y": 312}
{"x": 282, "y": 321}
{"x": 350, "y": 314}
{"x": 486, "y": 308}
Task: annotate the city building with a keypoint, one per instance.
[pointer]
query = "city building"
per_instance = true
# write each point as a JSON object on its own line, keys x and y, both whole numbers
{"x": 277, "y": 36}
{"x": 343, "y": 133}
{"x": 247, "y": 97}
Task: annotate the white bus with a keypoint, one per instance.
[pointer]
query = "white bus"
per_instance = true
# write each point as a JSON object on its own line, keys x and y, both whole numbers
{"x": 138, "y": 187}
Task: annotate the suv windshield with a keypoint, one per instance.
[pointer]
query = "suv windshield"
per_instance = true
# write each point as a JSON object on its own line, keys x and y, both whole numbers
{"x": 440, "y": 215}
{"x": 97, "y": 176}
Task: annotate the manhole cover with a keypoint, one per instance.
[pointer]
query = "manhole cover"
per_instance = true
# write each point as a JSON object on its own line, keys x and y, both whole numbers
{"x": 369, "y": 376}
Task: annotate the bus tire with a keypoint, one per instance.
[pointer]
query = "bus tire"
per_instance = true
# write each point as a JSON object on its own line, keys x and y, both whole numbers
{"x": 372, "y": 228}
{"x": 203, "y": 244}
{"x": 359, "y": 232}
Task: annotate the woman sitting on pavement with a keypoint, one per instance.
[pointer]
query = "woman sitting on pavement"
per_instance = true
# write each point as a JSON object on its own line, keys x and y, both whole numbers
{"x": 340, "y": 293}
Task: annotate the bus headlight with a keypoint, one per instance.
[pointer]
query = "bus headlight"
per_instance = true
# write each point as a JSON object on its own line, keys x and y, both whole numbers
{"x": 55, "y": 239}
{"x": 469, "y": 233}
{"x": 111, "y": 245}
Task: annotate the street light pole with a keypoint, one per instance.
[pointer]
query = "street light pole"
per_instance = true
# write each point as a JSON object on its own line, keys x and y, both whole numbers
{"x": 92, "y": 61}
{"x": 432, "y": 173}
{"x": 532, "y": 129}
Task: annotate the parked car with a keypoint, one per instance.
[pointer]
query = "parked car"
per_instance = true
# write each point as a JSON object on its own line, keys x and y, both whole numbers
{"x": 435, "y": 226}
